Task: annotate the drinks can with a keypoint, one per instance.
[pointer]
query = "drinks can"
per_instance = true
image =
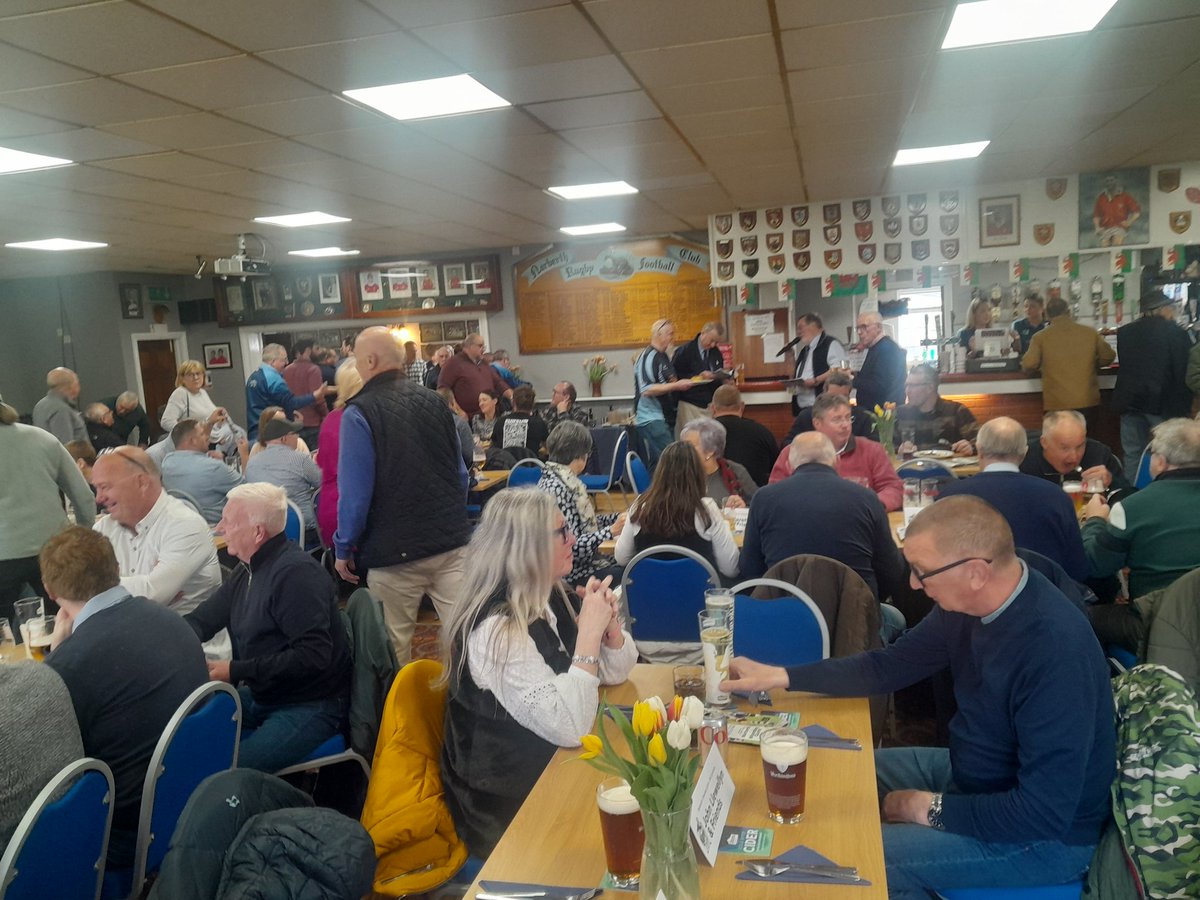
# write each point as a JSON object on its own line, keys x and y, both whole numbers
{"x": 714, "y": 732}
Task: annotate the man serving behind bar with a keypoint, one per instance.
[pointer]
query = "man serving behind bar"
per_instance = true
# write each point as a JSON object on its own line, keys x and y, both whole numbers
{"x": 1021, "y": 795}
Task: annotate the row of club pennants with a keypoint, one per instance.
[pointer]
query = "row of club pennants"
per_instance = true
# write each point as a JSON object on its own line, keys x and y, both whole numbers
{"x": 1019, "y": 270}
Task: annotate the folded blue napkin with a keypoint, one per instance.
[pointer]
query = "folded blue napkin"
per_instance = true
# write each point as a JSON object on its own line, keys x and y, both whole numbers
{"x": 822, "y": 737}
{"x": 801, "y": 856}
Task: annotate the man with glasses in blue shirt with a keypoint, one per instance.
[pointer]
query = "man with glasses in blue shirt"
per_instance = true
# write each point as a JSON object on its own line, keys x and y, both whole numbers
{"x": 1020, "y": 796}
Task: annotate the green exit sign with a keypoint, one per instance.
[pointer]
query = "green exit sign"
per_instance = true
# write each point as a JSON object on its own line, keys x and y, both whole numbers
{"x": 158, "y": 294}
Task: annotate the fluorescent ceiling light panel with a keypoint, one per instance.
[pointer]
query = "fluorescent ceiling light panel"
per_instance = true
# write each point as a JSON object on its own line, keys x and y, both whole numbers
{"x": 915, "y": 156}
{"x": 1006, "y": 21}
{"x": 299, "y": 220}
{"x": 587, "y": 191}
{"x": 20, "y": 161}
{"x": 56, "y": 244}
{"x": 430, "y": 98}
{"x": 602, "y": 228}
{"x": 323, "y": 252}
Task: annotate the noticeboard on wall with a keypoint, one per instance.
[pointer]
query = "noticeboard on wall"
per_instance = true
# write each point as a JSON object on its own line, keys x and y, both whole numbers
{"x": 577, "y": 297}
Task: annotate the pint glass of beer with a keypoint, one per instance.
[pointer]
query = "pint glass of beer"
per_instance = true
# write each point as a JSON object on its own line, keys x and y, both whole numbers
{"x": 41, "y": 631}
{"x": 785, "y": 770}
{"x": 716, "y": 645}
{"x": 1074, "y": 490}
{"x": 621, "y": 825}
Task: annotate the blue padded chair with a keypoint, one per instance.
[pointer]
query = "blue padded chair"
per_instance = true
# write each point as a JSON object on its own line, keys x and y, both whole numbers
{"x": 59, "y": 846}
{"x": 602, "y": 484}
{"x": 664, "y": 587}
{"x": 525, "y": 473}
{"x": 294, "y": 526}
{"x": 1119, "y": 658}
{"x": 786, "y": 629}
{"x": 1143, "y": 476}
{"x": 926, "y": 470}
{"x": 1069, "y": 891}
{"x": 200, "y": 739}
{"x": 637, "y": 473}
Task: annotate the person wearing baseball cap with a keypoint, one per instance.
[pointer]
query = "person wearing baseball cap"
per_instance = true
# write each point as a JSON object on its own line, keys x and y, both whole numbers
{"x": 280, "y": 463}
{"x": 1151, "y": 384}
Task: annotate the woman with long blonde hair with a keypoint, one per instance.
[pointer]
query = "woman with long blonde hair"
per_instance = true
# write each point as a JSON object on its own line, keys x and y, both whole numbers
{"x": 348, "y": 383}
{"x": 524, "y": 660}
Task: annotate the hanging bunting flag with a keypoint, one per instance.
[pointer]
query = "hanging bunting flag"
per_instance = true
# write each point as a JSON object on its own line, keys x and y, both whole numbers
{"x": 748, "y": 295}
{"x": 1019, "y": 269}
{"x": 924, "y": 276}
{"x": 970, "y": 275}
{"x": 1122, "y": 261}
{"x": 1068, "y": 265}
{"x": 843, "y": 285}
{"x": 879, "y": 280}
{"x": 1174, "y": 256}
{"x": 827, "y": 286}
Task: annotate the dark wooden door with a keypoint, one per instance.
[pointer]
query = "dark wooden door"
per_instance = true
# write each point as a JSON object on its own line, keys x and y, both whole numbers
{"x": 156, "y": 359}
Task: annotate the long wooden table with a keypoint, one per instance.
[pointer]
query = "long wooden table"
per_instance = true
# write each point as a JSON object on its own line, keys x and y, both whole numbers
{"x": 555, "y": 838}
{"x": 489, "y": 479}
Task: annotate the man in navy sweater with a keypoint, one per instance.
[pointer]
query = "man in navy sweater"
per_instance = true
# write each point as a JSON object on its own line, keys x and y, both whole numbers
{"x": 1022, "y": 793}
{"x": 1039, "y": 513}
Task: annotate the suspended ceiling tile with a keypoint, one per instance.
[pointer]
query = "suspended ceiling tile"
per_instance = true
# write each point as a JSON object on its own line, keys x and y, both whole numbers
{"x": 767, "y": 118}
{"x": 22, "y": 69}
{"x": 693, "y": 200}
{"x": 627, "y": 134}
{"x": 560, "y": 80}
{"x": 418, "y": 13}
{"x": 111, "y": 37}
{"x": 82, "y": 145}
{"x": 880, "y": 77}
{"x": 271, "y": 24}
{"x": 264, "y": 153}
{"x": 312, "y": 114}
{"x": 744, "y": 57}
{"x": 631, "y": 25}
{"x": 97, "y": 101}
{"x": 364, "y": 62}
{"x": 1129, "y": 12}
{"x": 167, "y": 166}
{"x": 17, "y": 124}
{"x": 191, "y": 132}
{"x": 720, "y": 96}
{"x": 467, "y": 131}
{"x": 894, "y": 37}
{"x": 610, "y": 109}
{"x": 524, "y": 39}
{"x": 222, "y": 83}
{"x": 810, "y": 13}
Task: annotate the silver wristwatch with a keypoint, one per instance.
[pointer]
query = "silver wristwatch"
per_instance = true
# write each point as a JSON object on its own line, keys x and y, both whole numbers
{"x": 935, "y": 813}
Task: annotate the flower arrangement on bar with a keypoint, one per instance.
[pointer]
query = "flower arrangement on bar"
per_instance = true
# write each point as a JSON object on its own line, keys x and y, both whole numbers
{"x": 661, "y": 776}
{"x": 597, "y": 367}
{"x": 883, "y": 420}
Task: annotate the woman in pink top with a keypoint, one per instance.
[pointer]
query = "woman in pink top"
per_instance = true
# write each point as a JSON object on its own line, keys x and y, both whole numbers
{"x": 349, "y": 383}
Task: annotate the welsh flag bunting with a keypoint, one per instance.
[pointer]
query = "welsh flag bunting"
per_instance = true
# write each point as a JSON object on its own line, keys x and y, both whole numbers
{"x": 843, "y": 285}
{"x": 1018, "y": 269}
{"x": 1069, "y": 266}
{"x": 748, "y": 295}
{"x": 924, "y": 276}
{"x": 1122, "y": 261}
{"x": 878, "y": 281}
{"x": 970, "y": 275}
{"x": 1173, "y": 257}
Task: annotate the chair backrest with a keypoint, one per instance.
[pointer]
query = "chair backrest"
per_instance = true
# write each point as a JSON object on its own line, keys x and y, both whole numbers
{"x": 59, "y": 846}
{"x": 200, "y": 739}
{"x": 525, "y": 473}
{"x": 664, "y": 587}
{"x": 620, "y": 448}
{"x": 294, "y": 526}
{"x": 186, "y": 498}
{"x": 926, "y": 470}
{"x": 786, "y": 629}
{"x": 1143, "y": 476}
{"x": 638, "y": 474}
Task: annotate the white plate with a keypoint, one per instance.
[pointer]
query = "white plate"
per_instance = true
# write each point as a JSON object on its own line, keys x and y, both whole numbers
{"x": 935, "y": 454}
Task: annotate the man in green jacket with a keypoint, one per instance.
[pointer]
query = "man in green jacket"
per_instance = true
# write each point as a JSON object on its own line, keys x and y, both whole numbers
{"x": 1155, "y": 532}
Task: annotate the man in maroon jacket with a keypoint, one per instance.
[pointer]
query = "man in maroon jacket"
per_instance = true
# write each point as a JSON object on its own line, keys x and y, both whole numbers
{"x": 468, "y": 376}
{"x": 303, "y": 376}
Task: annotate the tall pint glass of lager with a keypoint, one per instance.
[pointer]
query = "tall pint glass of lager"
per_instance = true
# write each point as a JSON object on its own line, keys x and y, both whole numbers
{"x": 785, "y": 770}
{"x": 621, "y": 825}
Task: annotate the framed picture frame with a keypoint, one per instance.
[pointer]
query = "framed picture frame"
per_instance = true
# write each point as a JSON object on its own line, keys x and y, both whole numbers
{"x": 131, "y": 301}
{"x": 370, "y": 286}
{"x": 1000, "y": 221}
{"x": 481, "y": 276}
{"x": 400, "y": 284}
{"x": 454, "y": 331}
{"x": 331, "y": 290}
{"x": 427, "y": 281}
{"x": 217, "y": 356}
{"x": 235, "y": 299}
{"x": 455, "y": 275}
{"x": 431, "y": 333}
{"x": 264, "y": 294}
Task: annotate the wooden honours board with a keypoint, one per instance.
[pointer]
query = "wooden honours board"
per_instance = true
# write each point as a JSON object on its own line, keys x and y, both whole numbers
{"x": 603, "y": 296}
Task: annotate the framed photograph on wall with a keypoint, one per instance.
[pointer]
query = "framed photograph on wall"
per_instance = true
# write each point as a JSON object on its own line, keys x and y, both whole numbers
{"x": 331, "y": 291}
{"x": 370, "y": 286}
{"x": 1000, "y": 221}
{"x": 235, "y": 300}
{"x": 400, "y": 284}
{"x": 264, "y": 294}
{"x": 481, "y": 275}
{"x": 427, "y": 281}
{"x": 472, "y": 326}
{"x": 454, "y": 331}
{"x": 217, "y": 356}
{"x": 431, "y": 333}
{"x": 1114, "y": 208}
{"x": 456, "y": 279}
{"x": 131, "y": 302}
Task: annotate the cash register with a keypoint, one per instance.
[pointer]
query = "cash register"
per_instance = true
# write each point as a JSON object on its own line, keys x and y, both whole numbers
{"x": 996, "y": 352}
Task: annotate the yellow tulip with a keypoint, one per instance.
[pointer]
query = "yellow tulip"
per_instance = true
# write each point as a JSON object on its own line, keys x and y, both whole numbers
{"x": 656, "y": 750}
{"x": 592, "y": 747}
{"x": 878, "y": 410}
{"x": 645, "y": 719}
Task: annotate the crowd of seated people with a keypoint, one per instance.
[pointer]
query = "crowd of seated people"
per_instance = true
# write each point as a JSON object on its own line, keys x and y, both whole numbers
{"x": 531, "y": 625}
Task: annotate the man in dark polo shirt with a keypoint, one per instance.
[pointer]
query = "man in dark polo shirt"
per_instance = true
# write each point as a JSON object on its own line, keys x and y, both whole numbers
{"x": 746, "y": 441}
{"x": 128, "y": 664}
{"x": 469, "y": 376}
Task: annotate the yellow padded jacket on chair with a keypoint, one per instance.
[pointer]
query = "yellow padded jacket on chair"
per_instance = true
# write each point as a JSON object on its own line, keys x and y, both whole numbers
{"x": 405, "y": 812}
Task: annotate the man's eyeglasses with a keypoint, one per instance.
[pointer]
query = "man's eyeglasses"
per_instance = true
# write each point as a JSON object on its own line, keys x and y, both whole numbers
{"x": 563, "y": 533}
{"x": 922, "y": 577}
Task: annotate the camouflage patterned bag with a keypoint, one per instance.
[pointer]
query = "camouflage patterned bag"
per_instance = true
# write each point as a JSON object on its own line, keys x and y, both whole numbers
{"x": 1156, "y": 797}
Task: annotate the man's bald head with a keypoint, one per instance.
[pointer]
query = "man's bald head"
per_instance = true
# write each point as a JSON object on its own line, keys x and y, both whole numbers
{"x": 63, "y": 381}
{"x": 963, "y": 526}
{"x": 127, "y": 484}
{"x": 376, "y": 351}
{"x": 812, "y": 447}
{"x": 1001, "y": 440}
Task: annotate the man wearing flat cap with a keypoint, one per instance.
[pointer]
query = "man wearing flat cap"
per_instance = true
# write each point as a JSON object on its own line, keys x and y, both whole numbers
{"x": 1151, "y": 384}
{"x": 282, "y": 464}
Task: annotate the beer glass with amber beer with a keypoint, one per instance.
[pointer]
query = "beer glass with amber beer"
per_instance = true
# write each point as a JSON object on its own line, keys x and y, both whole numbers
{"x": 785, "y": 770}
{"x": 621, "y": 825}
{"x": 1074, "y": 490}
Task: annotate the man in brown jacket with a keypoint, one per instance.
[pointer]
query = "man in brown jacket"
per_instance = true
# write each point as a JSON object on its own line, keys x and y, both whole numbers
{"x": 1067, "y": 355}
